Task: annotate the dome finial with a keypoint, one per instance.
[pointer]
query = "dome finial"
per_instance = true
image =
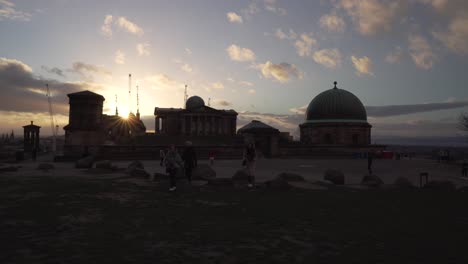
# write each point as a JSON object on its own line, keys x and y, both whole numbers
{"x": 335, "y": 83}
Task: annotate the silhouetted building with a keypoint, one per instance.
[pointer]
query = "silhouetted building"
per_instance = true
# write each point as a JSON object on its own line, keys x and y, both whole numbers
{"x": 195, "y": 120}
{"x": 265, "y": 137}
{"x": 31, "y": 137}
{"x": 336, "y": 117}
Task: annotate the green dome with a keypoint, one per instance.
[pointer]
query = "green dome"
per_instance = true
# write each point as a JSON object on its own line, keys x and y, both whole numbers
{"x": 336, "y": 105}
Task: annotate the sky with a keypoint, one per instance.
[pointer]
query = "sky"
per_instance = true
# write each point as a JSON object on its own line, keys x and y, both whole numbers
{"x": 266, "y": 59}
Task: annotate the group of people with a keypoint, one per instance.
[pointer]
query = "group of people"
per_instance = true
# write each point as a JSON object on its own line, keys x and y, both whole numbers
{"x": 175, "y": 163}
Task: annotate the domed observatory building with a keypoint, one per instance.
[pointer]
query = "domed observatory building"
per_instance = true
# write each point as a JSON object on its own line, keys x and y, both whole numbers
{"x": 336, "y": 117}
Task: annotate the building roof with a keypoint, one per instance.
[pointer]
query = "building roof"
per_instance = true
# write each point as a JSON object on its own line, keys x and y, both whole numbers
{"x": 194, "y": 102}
{"x": 31, "y": 125}
{"x": 203, "y": 109}
{"x": 336, "y": 105}
{"x": 86, "y": 94}
{"x": 257, "y": 126}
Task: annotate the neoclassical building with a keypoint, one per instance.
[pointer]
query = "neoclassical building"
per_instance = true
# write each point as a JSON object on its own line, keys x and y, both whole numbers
{"x": 336, "y": 117}
{"x": 196, "y": 119}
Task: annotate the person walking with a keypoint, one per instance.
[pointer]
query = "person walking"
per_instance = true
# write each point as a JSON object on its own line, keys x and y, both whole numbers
{"x": 249, "y": 159}
{"x": 161, "y": 157}
{"x": 370, "y": 159}
{"x": 173, "y": 163}
{"x": 190, "y": 160}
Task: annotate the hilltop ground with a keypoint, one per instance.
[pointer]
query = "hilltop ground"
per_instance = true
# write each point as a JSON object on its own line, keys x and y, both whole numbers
{"x": 73, "y": 216}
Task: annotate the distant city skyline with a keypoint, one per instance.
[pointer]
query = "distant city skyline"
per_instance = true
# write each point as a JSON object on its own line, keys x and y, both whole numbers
{"x": 267, "y": 59}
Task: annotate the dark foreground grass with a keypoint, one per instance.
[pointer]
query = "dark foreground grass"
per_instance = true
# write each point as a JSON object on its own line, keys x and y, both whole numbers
{"x": 72, "y": 220}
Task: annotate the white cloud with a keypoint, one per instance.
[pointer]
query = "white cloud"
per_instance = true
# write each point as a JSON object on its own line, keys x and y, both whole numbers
{"x": 119, "y": 57}
{"x": 362, "y": 65}
{"x": 330, "y": 58}
{"x": 143, "y": 49}
{"x": 251, "y": 10}
{"x": 299, "y": 110}
{"x": 246, "y": 83}
{"x": 188, "y": 51}
{"x": 456, "y": 37}
{"x": 282, "y": 72}
{"x": 217, "y": 85}
{"x": 8, "y": 11}
{"x": 234, "y": 18}
{"x": 421, "y": 52}
{"x": 332, "y": 23}
{"x": 280, "y": 34}
{"x": 237, "y": 53}
{"x": 186, "y": 68}
{"x": 252, "y": 91}
{"x": 106, "y": 28}
{"x": 129, "y": 26}
{"x": 270, "y": 5}
{"x": 163, "y": 82}
{"x": 304, "y": 44}
{"x": 371, "y": 16}
{"x": 395, "y": 56}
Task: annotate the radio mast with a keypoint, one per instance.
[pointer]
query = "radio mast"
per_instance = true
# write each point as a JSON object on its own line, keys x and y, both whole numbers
{"x": 185, "y": 95}
{"x": 138, "y": 104}
{"x": 129, "y": 93}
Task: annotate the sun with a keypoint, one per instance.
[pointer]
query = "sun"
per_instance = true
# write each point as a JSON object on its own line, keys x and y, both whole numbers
{"x": 124, "y": 112}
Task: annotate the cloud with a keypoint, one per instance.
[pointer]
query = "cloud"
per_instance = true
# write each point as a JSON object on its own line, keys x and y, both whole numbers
{"x": 234, "y": 18}
{"x": 371, "y": 16}
{"x": 246, "y": 83}
{"x": 282, "y": 35}
{"x": 163, "y": 82}
{"x": 217, "y": 85}
{"x": 26, "y": 91}
{"x": 304, "y": 44}
{"x": 143, "y": 49}
{"x": 456, "y": 36}
{"x": 362, "y": 65}
{"x": 54, "y": 70}
{"x": 8, "y": 12}
{"x": 85, "y": 68}
{"x": 106, "y": 28}
{"x": 421, "y": 52}
{"x": 437, "y": 4}
{"x": 237, "y": 53}
{"x": 119, "y": 57}
{"x": 186, "y": 68}
{"x": 282, "y": 72}
{"x": 251, "y": 91}
{"x": 222, "y": 103}
{"x": 251, "y": 10}
{"x": 332, "y": 23}
{"x": 330, "y": 58}
{"x": 270, "y": 5}
{"x": 395, "y": 110}
{"x": 188, "y": 51}
{"x": 129, "y": 26}
{"x": 395, "y": 56}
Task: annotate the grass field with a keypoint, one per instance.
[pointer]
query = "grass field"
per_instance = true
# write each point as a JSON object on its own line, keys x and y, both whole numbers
{"x": 98, "y": 220}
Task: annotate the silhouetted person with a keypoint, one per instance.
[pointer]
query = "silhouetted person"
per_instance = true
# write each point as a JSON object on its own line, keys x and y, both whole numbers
{"x": 173, "y": 163}
{"x": 190, "y": 160}
{"x": 370, "y": 159}
{"x": 249, "y": 158}
{"x": 464, "y": 168}
{"x": 161, "y": 157}
{"x": 34, "y": 153}
{"x": 211, "y": 157}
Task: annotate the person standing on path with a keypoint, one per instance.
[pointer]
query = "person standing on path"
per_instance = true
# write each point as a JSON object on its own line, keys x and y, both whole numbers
{"x": 161, "y": 157}
{"x": 249, "y": 159}
{"x": 190, "y": 160}
{"x": 173, "y": 163}
{"x": 370, "y": 159}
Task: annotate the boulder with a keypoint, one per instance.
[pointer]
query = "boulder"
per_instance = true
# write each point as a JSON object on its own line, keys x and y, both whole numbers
{"x": 85, "y": 163}
{"x": 240, "y": 176}
{"x": 136, "y": 164}
{"x": 334, "y": 176}
{"x": 440, "y": 185}
{"x": 290, "y": 177}
{"x": 45, "y": 167}
{"x": 404, "y": 183}
{"x": 204, "y": 172}
{"x": 371, "y": 180}
{"x": 139, "y": 173}
{"x": 104, "y": 164}
{"x": 278, "y": 183}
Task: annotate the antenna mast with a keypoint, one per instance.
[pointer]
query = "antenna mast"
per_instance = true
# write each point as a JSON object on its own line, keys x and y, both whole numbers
{"x": 116, "y": 109}
{"x": 138, "y": 104}
{"x": 185, "y": 95}
{"x": 209, "y": 101}
{"x": 129, "y": 92}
